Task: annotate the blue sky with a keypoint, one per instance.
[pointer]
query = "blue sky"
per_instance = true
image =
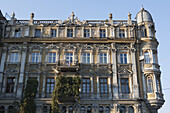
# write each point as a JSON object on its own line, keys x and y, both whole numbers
{"x": 100, "y": 9}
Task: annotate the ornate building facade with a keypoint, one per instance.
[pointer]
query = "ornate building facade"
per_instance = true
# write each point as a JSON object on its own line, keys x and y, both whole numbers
{"x": 116, "y": 60}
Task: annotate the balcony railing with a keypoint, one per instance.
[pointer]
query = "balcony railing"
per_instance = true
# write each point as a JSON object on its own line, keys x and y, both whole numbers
{"x": 154, "y": 66}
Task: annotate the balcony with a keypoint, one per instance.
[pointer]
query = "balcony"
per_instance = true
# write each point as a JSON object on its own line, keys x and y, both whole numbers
{"x": 152, "y": 66}
{"x": 65, "y": 66}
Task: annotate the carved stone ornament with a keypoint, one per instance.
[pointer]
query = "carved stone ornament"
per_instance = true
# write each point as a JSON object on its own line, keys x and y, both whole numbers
{"x": 36, "y": 46}
{"x": 14, "y": 47}
{"x": 52, "y": 46}
{"x": 123, "y": 46}
{"x": 11, "y": 71}
{"x": 86, "y": 72}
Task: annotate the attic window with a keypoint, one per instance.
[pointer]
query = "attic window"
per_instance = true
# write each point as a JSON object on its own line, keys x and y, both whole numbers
{"x": 17, "y": 33}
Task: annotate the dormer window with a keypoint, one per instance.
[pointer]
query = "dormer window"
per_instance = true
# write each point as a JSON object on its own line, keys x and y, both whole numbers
{"x": 143, "y": 31}
{"x": 53, "y": 32}
{"x": 17, "y": 33}
{"x": 102, "y": 33}
{"x": 122, "y": 33}
{"x": 37, "y": 32}
{"x": 69, "y": 32}
{"x": 86, "y": 33}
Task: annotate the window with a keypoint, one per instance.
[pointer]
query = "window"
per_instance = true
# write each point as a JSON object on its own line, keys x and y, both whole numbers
{"x": 35, "y": 57}
{"x": 45, "y": 109}
{"x": 158, "y": 85}
{"x": 82, "y": 109}
{"x": 89, "y": 109}
{"x": 53, "y": 32}
{"x": 69, "y": 59}
{"x": 147, "y": 58}
{"x": 103, "y": 86}
{"x": 86, "y": 85}
{"x": 14, "y": 57}
{"x": 125, "y": 85}
{"x": 122, "y": 33}
{"x": 143, "y": 31}
{"x": 10, "y": 85}
{"x": 101, "y": 110}
{"x": 17, "y": 33}
{"x": 63, "y": 109}
{"x": 50, "y": 85}
{"x": 149, "y": 84}
{"x": 107, "y": 110}
{"x": 2, "y": 109}
{"x": 131, "y": 110}
{"x": 154, "y": 57}
{"x": 86, "y": 33}
{"x": 69, "y": 32}
{"x": 122, "y": 109}
{"x": 103, "y": 57}
{"x": 86, "y": 58}
{"x": 70, "y": 109}
{"x": 51, "y": 57}
{"x": 102, "y": 33}
{"x": 37, "y": 32}
{"x": 123, "y": 58}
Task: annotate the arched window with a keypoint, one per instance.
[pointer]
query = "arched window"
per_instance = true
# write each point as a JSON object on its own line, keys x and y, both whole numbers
{"x": 82, "y": 109}
{"x": 130, "y": 109}
{"x": 101, "y": 109}
{"x": 143, "y": 31}
{"x": 2, "y": 110}
{"x": 147, "y": 57}
{"x": 122, "y": 109}
{"x": 70, "y": 109}
{"x": 107, "y": 110}
{"x": 45, "y": 109}
{"x": 149, "y": 84}
{"x": 63, "y": 109}
{"x": 89, "y": 109}
{"x": 10, "y": 109}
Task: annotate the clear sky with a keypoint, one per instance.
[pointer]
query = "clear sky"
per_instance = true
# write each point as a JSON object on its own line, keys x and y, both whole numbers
{"x": 100, "y": 9}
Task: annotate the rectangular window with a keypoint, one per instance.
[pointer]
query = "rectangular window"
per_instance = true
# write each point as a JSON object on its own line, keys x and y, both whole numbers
{"x": 147, "y": 58}
{"x": 51, "y": 57}
{"x": 17, "y": 33}
{"x": 10, "y": 85}
{"x": 69, "y": 32}
{"x": 86, "y": 33}
{"x": 86, "y": 85}
{"x": 50, "y": 85}
{"x": 103, "y": 58}
{"x": 14, "y": 57}
{"x": 143, "y": 31}
{"x": 121, "y": 33}
{"x": 125, "y": 85}
{"x": 53, "y": 32}
{"x": 35, "y": 57}
{"x": 69, "y": 59}
{"x": 103, "y": 86}
{"x": 150, "y": 85}
{"x": 102, "y": 33}
{"x": 123, "y": 58}
{"x": 86, "y": 58}
{"x": 37, "y": 32}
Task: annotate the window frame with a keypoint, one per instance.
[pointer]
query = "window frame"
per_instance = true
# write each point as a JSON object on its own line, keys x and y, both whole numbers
{"x": 35, "y": 57}
{"x": 102, "y": 61}
{"x": 52, "y": 57}
{"x": 143, "y": 32}
{"x": 17, "y": 33}
{"x": 147, "y": 57}
{"x": 121, "y": 33}
{"x": 14, "y": 59}
{"x": 86, "y": 58}
{"x": 86, "y": 33}
{"x": 69, "y": 63}
{"x": 102, "y": 33}
{"x": 150, "y": 84}
{"x": 10, "y": 84}
{"x": 124, "y": 59}
{"x": 50, "y": 84}
{"x": 126, "y": 89}
{"x": 105, "y": 85}
{"x": 86, "y": 83}
{"x": 53, "y": 33}
{"x": 69, "y": 32}
{"x": 38, "y": 33}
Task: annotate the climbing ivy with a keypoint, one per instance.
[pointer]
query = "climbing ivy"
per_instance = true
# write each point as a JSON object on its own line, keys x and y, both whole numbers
{"x": 66, "y": 87}
{"x": 28, "y": 104}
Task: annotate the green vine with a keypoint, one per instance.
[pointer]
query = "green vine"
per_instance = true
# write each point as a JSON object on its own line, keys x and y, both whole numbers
{"x": 28, "y": 104}
{"x": 66, "y": 87}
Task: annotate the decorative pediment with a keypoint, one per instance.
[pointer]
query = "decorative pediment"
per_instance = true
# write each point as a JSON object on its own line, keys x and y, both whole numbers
{"x": 123, "y": 46}
{"x": 86, "y": 46}
{"x": 52, "y": 47}
{"x": 71, "y": 20}
{"x": 103, "y": 71}
{"x": 69, "y": 46}
{"x": 33, "y": 70}
{"x": 36, "y": 46}
{"x": 104, "y": 47}
{"x": 124, "y": 71}
{"x": 14, "y": 47}
{"x": 11, "y": 71}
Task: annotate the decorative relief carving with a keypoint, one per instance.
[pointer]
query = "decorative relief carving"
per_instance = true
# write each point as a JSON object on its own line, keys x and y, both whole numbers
{"x": 123, "y": 46}
{"x": 124, "y": 68}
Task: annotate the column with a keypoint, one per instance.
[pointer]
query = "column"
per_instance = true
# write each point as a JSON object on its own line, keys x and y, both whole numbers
{"x": 74, "y": 32}
{"x": 43, "y": 90}
{"x": 90, "y": 32}
{"x": 4, "y": 54}
{"x": 150, "y": 31}
{"x": 4, "y": 84}
{"x": 135, "y": 83}
{"x": 91, "y": 79}
{"x": 109, "y": 83}
{"x": 98, "y": 32}
{"x": 117, "y": 32}
{"x": 6, "y": 109}
{"x": 154, "y": 86}
{"x": 98, "y": 90}
{"x": 126, "y": 32}
{"x": 106, "y": 32}
{"x": 22, "y": 70}
{"x": 57, "y": 32}
{"x": 33, "y": 32}
{"x": 38, "y": 79}
{"x": 82, "y": 32}
{"x": 144, "y": 85}
{"x": 114, "y": 70}
{"x": 42, "y": 31}
{"x": 65, "y": 31}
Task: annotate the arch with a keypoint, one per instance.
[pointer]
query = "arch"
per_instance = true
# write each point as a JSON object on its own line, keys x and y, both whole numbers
{"x": 45, "y": 109}
{"x": 36, "y": 46}
{"x": 130, "y": 109}
{"x": 82, "y": 109}
{"x": 63, "y": 109}
{"x": 14, "y": 47}
{"x": 70, "y": 109}
{"x": 101, "y": 109}
{"x": 122, "y": 109}
{"x": 89, "y": 109}
{"x": 107, "y": 109}
{"x": 2, "y": 109}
